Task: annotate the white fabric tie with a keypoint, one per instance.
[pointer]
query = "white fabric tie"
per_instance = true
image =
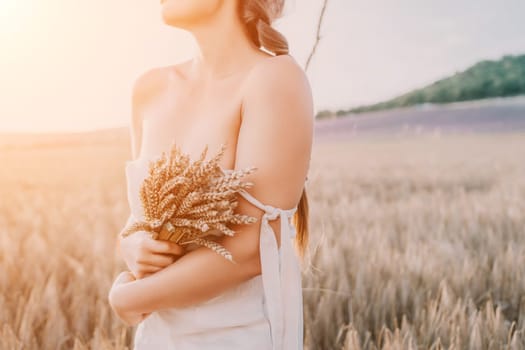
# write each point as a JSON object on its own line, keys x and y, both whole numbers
{"x": 281, "y": 276}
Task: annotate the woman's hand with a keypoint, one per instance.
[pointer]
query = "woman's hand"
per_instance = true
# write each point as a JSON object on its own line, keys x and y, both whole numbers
{"x": 144, "y": 255}
{"x": 117, "y": 300}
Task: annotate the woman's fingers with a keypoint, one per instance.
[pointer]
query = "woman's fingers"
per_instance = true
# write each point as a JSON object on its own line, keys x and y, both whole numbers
{"x": 154, "y": 255}
{"x": 145, "y": 270}
{"x": 158, "y": 260}
{"x": 165, "y": 247}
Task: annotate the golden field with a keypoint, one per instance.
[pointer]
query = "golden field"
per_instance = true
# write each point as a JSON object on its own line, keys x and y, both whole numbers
{"x": 416, "y": 243}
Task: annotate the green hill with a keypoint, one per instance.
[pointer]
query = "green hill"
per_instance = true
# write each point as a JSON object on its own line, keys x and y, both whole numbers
{"x": 500, "y": 78}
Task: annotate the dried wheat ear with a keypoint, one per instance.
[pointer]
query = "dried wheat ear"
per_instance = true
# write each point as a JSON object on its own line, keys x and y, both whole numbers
{"x": 183, "y": 200}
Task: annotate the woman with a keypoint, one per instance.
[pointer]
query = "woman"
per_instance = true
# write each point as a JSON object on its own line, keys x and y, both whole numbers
{"x": 259, "y": 104}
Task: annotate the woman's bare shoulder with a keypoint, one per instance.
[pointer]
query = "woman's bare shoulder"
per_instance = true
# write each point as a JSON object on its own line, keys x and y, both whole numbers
{"x": 280, "y": 78}
{"x": 153, "y": 80}
{"x": 276, "y": 68}
{"x": 146, "y": 86}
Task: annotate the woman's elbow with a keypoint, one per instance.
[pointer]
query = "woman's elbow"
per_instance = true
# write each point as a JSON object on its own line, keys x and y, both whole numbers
{"x": 115, "y": 301}
{"x": 118, "y": 303}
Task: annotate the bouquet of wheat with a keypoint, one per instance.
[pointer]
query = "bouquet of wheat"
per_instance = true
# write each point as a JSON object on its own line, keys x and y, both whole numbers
{"x": 183, "y": 200}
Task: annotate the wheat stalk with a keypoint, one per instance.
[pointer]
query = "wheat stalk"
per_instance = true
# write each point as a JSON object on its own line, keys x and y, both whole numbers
{"x": 183, "y": 200}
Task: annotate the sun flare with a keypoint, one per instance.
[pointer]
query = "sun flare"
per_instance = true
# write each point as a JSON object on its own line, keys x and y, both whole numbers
{"x": 14, "y": 16}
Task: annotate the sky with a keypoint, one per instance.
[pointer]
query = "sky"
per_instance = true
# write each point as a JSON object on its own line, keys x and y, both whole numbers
{"x": 69, "y": 65}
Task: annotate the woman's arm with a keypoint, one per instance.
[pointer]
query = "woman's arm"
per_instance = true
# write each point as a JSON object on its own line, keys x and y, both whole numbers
{"x": 276, "y": 137}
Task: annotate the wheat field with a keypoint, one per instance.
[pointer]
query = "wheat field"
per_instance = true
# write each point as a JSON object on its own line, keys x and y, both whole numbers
{"x": 417, "y": 242}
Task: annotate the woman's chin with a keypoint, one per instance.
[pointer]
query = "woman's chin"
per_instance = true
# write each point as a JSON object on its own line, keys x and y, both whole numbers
{"x": 188, "y": 13}
{"x": 169, "y": 18}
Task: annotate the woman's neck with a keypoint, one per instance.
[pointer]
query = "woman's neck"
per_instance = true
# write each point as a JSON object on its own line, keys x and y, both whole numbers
{"x": 223, "y": 47}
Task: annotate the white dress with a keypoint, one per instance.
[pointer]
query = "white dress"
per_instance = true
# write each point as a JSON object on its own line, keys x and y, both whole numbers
{"x": 263, "y": 313}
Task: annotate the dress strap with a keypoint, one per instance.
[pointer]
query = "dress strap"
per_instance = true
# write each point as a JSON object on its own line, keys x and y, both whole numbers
{"x": 281, "y": 277}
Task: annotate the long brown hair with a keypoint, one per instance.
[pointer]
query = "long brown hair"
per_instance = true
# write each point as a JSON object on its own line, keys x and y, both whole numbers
{"x": 257, "y": 16}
